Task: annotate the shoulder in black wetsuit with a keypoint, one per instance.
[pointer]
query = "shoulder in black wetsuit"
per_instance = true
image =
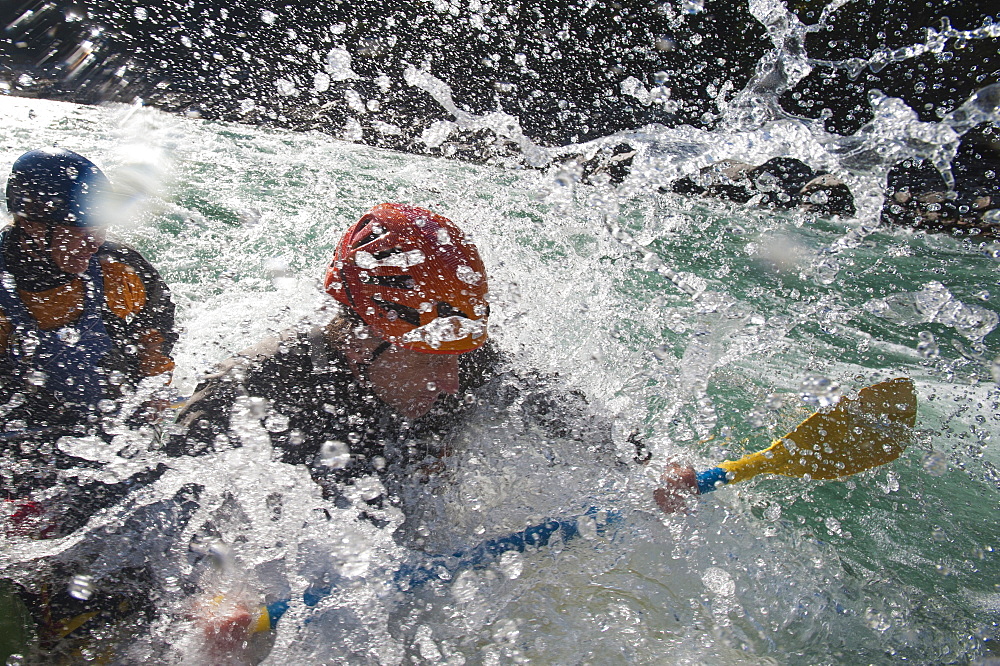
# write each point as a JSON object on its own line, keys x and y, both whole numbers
{"x": 301, "y": 390}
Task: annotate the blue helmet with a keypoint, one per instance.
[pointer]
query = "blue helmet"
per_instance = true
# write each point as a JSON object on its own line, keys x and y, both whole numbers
{"x": 57, "y": 186}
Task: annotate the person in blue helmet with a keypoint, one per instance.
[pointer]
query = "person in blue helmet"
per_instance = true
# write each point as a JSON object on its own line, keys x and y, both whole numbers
{"x": 83, "y": 320}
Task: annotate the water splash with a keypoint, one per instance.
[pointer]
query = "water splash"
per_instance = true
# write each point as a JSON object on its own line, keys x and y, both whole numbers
{"x": 680, "y": 316}
{"x": 936, "y": 304}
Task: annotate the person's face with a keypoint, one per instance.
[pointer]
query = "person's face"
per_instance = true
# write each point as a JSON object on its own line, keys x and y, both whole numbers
{"x": 72, "y": 247}
{"x": 410, "y": 381}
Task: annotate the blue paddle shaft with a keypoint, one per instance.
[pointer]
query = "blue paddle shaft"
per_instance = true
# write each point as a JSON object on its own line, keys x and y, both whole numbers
{"x": 411, "y": 576}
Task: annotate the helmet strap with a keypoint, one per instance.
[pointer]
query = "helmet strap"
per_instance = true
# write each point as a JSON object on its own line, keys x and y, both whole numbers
{"x": 379, "y": 351}
{"x": 363, "y": 369}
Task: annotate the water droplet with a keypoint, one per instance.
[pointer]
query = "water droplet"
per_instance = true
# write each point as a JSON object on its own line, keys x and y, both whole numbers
{"x": 693, "y": 7}
{"x": 891, "y": 484}
{"x": 257, "y": 407}
{"x": 565, "y": 178}
{"x": 511, "y": 564}
{"x": 833, "y": 526}
{"x": 819, "y": 197}
{"x": 819, "y": 391}
{"x": 826, "y": 270}
{"x": 719, "y": 582}
{"x": 335, "y": 454}
{"x": 927, "y": 345}
{"x": 369, "y": 488}
{"x": 936, "y": 463}
{"x": 774, "y": 402}
{"x": 338, "y": 65}
{"x": 756, "y": 418}
{"x": 276, "y": 423}
{"x": 286, "y": 88}
{"x": 587, "y": 527}
{"x": 463, "y": 590}
{"x": 467, "y": 275}
{"x": 81, "y": 587}
{"x": 69, "y": 335}
{"x": 877, "y": 621}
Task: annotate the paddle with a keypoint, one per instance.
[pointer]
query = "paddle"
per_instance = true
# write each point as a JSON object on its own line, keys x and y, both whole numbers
{"x": 855, "y": 435}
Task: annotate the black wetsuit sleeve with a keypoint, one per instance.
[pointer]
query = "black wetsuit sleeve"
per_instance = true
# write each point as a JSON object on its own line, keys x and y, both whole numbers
{"x": 203, "y": 422}
{"x": 264, "y": 371}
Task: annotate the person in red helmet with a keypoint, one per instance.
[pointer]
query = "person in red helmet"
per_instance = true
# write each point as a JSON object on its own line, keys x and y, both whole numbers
{"x": 377, "y": 392}
{"x": 348, "y": 399}
{"x": 420, "y": 288}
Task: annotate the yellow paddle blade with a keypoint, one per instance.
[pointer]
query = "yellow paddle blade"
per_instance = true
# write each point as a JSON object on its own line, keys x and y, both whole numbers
{"x": 855, "y": 435}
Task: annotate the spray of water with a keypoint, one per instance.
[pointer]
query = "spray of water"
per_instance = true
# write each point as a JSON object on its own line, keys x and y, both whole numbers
{"x": 680, "y": 320}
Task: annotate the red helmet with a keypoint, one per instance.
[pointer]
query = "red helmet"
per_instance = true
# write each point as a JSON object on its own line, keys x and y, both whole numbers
{"x": 413, "y": 278}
